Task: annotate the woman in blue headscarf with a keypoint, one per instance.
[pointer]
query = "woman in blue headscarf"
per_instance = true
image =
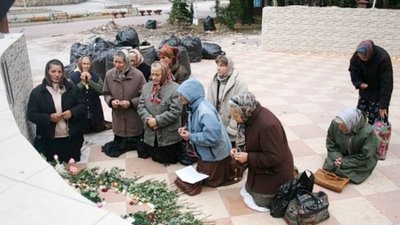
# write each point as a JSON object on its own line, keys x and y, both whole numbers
{"x": 352, "y": 146}
{"x": 372, "y": 73}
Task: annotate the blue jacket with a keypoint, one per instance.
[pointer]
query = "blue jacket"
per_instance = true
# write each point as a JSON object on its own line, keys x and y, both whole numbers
{"x": 208, "y": 135}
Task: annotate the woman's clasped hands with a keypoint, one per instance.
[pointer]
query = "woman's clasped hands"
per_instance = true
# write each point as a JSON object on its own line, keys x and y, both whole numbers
{"x": 125, "y": 104}
{"x": 55, "y": 117}
{"x": 184, "y": 133}
{"x": 239, "y": 155}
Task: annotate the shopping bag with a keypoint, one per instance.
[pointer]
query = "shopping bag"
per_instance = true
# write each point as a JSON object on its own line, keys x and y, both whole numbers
{"x": 307, "y": 209}
{"x": 289, "y": 190}
{"x": 330, "y": 180}
{"x": 383, "y": 130}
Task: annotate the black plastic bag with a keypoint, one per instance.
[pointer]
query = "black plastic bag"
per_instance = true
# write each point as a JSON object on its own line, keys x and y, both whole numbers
{"x": 69, "y": 69}
{"x": 211, "y": 50}
{"x": 149, "y": 54}
{"x": 171, "y": 40}
{"x": 193, "y": 46}
{"x": 183, "y": 58}
{"x": 209, "y": 24}
{"x": 128, "y": 37}
{"x": 100, "y": 50}
{"x": 151, "y": 24}
{"x": 78, "y": 50}
{"x": 289, "y": 190}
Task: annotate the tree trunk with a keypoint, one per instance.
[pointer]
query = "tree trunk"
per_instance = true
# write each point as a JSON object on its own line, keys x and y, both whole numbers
{"x": 4, "y": 25}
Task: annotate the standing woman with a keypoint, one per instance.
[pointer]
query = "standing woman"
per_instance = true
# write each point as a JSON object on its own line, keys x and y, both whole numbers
{"x": 160, "y": 110}
{"x": 169, "y": 56}
{"x": 137, "y": 61}
{"x": 267, "y": 154}
{"x": 225, "y": 84}
{"x": 122, "y": 88}
{"x": 58, "y": 110}
{"x": 91, "y": 85}
{"x": 372, "y": 73}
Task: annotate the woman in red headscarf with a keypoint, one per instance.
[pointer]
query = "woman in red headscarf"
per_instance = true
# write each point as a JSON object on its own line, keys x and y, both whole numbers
{"x": 160, "y": 109}
{"x": 169, "y": 56}
{"x": 372, "y": 73}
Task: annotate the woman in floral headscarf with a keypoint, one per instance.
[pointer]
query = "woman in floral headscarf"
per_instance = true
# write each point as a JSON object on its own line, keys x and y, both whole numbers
{"x": 372, "y": 73}
{"x": 267, "y": 152}
{"x": 352, "y": 146}
{"x": 122, "y": 88}
{"x": 169, "y": 56}
{"x": 160, "y": 109}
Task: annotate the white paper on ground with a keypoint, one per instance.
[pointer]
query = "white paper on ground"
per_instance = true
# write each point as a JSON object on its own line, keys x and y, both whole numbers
{"x": 190, "y": 175}
{"x": 249, "y": 201}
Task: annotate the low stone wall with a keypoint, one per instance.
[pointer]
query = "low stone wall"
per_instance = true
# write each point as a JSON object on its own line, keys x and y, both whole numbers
{"x": 30, "y": 3}
{"x": 16, "y": 79}
{"x": 329, "y": 29}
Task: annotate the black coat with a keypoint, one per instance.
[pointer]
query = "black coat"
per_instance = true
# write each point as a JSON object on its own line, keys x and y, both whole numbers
{"x": 145, "y": 69}
{"x": 41, "y": 105}
{"x": 92, "y": 98}
{"x": 377, "y": 72}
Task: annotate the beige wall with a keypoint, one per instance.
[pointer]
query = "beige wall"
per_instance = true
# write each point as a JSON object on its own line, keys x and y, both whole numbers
{"x": 329, "y": 29}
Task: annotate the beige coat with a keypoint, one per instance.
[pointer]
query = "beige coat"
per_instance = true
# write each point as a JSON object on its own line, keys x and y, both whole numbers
{"x": 126, "y": 122}
{"x": 235, "y": 85}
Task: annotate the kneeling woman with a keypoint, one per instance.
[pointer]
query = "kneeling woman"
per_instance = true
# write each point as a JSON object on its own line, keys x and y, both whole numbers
{"x": 206, "y": 133}
{"x": 160, "y": 109}
{"x": 352, "y": 146}
{"x": 267, "y": 152}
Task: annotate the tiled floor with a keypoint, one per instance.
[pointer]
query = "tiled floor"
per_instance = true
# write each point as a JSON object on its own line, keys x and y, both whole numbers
{"x": 305, "y": 92}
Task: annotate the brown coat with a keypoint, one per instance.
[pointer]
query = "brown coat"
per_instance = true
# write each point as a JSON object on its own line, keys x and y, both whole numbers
{"x": 126, "y": 122}
{"x": 270, "y": 160}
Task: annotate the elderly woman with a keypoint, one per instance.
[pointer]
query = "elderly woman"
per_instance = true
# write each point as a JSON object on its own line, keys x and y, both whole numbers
{"x": 137, "y": 61}
{"x": 122, "y": 88}
{"x": 267, "y": 152}
{"x": 372, "y": 73}
{"x": 91, "y": 85}
{"x": 225, "y": 84}
{"x": 160, "y": 110}
{"x": 205, "y": 133}
{"x": 352, "y": 146}
{"x": 58, "y": 110}
{"x": 169, "y": 56}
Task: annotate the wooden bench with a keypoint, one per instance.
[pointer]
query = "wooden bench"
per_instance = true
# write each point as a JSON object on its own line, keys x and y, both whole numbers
{"x": 115, "y": 13}
{"x": 60, "y": 16}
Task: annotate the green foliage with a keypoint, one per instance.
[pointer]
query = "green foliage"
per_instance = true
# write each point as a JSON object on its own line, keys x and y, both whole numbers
{"x": 156, "y": 194}
{"x": 180, "y": 13}
{"x": 237, "y": 11}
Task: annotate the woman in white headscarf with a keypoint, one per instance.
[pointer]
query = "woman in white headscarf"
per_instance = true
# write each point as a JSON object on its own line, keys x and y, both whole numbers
{"x": 352, "y": 146}
{"x": 122, "y": 89}
{"x": 225, "y": 84}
